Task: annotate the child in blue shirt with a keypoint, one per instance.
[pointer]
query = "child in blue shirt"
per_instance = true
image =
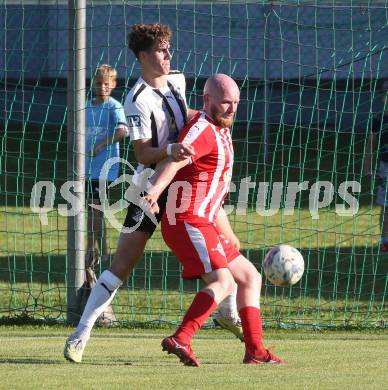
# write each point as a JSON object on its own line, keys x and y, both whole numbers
{"x": 106, "y": 126}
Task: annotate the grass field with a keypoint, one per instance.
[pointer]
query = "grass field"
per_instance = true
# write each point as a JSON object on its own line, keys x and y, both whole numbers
{"x": 344, "y": 284}
{"x": 31, "y": 357}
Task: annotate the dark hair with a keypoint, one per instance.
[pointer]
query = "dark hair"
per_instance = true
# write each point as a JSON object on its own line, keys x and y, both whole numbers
{"x": 144, "y": 36}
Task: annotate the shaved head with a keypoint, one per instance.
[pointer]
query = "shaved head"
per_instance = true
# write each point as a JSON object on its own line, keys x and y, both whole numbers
{"x": 221, "y": 97}
{"x": 219, "y": 83}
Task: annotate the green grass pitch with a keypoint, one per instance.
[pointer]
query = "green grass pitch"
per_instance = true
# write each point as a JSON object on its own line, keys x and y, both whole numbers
{"x": 345, "y": 284}
{"x": 31, "y": 357}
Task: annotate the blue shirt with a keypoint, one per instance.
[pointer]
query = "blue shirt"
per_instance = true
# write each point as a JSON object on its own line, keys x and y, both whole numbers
{"x": 102, "y": 120}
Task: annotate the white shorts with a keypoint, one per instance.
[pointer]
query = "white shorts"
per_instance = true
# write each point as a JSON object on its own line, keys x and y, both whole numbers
{"x": 382, "y": 189}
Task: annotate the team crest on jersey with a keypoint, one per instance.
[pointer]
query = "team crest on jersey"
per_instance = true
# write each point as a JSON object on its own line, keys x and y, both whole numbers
{"x": 134, "y": 120}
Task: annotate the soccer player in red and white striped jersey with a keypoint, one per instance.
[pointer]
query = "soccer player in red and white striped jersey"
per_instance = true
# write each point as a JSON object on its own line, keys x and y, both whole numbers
{"x": 197, "y": 229}
{"x": 208, "y": 174}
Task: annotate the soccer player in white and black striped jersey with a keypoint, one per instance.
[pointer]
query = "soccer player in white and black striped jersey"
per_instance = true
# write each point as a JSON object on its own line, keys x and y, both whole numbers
{"x": 156, "y": 111}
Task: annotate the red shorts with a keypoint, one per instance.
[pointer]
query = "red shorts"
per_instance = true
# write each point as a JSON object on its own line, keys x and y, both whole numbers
{"x": 200, "y": 248}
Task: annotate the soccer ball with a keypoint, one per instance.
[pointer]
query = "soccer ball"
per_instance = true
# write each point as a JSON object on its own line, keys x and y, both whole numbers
{"x": 283, "y": 265}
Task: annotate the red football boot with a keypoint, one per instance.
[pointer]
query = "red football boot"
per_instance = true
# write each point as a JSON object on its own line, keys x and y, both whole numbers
{"x": 266, "y": 358}
{"x": 184, "y": 352}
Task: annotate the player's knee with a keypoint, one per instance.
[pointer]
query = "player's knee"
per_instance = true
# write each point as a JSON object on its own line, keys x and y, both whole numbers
{"x": 229, "y": 284}
{"x": 226, "y": 283}
{"x": 253, "y": 278}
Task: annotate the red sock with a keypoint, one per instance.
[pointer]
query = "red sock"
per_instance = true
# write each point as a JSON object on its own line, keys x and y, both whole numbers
{"x": 252, "y": 329}
{"x": 199, "y": 311}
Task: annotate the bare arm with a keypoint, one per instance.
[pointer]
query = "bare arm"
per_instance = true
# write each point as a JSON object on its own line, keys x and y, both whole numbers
{"x": 147, "y": 154}
{"x": 224, "y": 227}
{"x": 163, "y": 176}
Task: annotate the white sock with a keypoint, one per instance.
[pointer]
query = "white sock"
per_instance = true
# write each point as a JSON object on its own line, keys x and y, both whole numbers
{"x": 100, "y": 297}
{"x": 229, "y": 305}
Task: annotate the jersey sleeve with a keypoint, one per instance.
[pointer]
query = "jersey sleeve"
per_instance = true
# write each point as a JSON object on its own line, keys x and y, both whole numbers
{"x": 139, "y": 120}
{"x": 119, "y": 119}
{"x": 201, "y": 138}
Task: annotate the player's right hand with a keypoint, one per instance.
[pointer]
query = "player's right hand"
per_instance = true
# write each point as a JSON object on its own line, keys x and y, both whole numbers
{"x": 151, "y": 203}
{"x": 97, "y": 149}
{"x": 181, "y": 151}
